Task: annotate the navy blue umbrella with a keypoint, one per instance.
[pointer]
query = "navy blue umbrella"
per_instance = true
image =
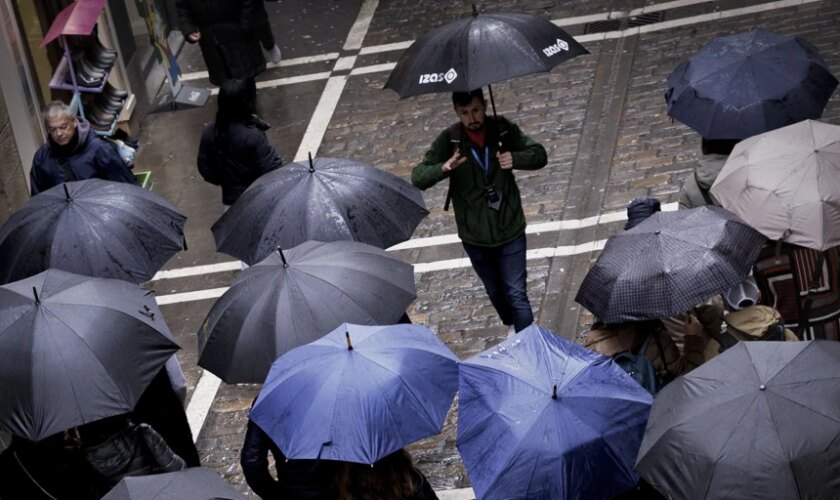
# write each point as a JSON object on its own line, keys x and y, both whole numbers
{"x": 358, "y": 394}
{"x": 747, "y": 84}
{"x": 541, "y": 417}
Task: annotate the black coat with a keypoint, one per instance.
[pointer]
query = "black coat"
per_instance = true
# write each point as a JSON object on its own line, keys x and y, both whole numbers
{"x": 91, "y": 158}
{"x": 228, "y": 42}
{"x": 298, "y": 479}
{"x": 235, "y": 159}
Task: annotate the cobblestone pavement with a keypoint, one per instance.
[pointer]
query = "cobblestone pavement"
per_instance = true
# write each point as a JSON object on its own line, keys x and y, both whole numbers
{"x": 601, "y": 117}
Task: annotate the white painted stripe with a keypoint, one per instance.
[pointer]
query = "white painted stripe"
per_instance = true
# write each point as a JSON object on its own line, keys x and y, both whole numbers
{"x": 345, "y": 63}
{"x": 676, "y": 4}
{"x": 591, "y": 18}
{"x": 198, "y": 75}
{"x": 375, "y": 68}
{"x": 456, "y": 494}
{"x": 360, "y": 26}
{"x": 419, "y": 268}
{"x": 429, "y": 241}
{"x": 201, "y": 400}
{"x": 186, "y": 272}
{"x": 388, "y": 47}
{"x": 321, "y": 118}
{"x": 290, "y": 80}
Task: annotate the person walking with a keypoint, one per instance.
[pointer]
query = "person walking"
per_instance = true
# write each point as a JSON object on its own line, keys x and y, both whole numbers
{"x": 73, "y": 153}
{"x": 225, "y": 32}
{"x": 262, "y": 26}
{"x": 394, "y": 477}
{"x": 234, "y": 150}
{"x": 478, "y": 155}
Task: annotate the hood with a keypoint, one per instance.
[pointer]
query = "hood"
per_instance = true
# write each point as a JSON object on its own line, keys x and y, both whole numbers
{"x": 83, "y": 133}
{"x": 708, "y": 169}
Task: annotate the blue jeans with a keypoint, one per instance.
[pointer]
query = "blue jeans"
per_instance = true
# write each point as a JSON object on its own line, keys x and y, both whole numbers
{"x": 502, "y": 270}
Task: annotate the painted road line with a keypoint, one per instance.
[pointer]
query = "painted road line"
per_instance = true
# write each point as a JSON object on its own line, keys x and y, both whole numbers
{"x": 297, "y": 61}
{"x": 429, "y": 241}
{"x": 456, "y": 494}
{"x": 419, "y": 268}
{"x": 321, "y": 118}
{"x": 201, "y": 401}
{"x": 289, "y": 80}
{"x": 360, "y": 27}
{"x": 374, "y": 68}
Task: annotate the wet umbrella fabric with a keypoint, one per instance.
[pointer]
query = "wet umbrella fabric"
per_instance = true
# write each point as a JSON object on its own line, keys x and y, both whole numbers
{"x": 668, "y": 264}
{"x": 328, "y": 200}
{"x": 91, "y": 227}
{"x": 323, "y": 400}
{"x": 196, "y": 483}
{"x": 742, "y": 85}
{"x": 762, "y": 420}
{"x": 786, "y": 184}
{"x": 518, "y": 440}
{"x": 75, "y": 349}
{"x": 272, "y": 308}
{"x": 480, "y": 50}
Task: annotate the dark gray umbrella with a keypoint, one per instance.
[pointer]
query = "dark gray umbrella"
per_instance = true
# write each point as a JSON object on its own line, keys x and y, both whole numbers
{"x": 91, "y": 227}
{"x": 197, "y": 483}
{"x": 292, "y": 299}
{"x": 742, "y": 85}
{"x": 762, "y": 420}
{"x": 479, "y": 50}
{"x": 328, "y": 199}
{"x": 74, "y": 349}
{"x": 668, "y": 264}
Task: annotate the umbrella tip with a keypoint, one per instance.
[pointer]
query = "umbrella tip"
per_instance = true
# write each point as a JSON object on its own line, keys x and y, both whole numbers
{"x": 554, "y": 392}
{"x": 311, "y": 165}
{"x": 67, "y": 193}
{"x": 282, "y": 257}
{"x": 35, "y": 293}
{"x": 347, "y": 337}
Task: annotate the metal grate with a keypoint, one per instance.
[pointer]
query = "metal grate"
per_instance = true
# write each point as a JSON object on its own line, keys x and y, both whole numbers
{"x": 616, "y": 24}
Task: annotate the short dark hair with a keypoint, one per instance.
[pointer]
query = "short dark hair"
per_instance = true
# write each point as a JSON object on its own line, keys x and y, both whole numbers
{"x": 718, "y": 146}
{"x": 465, "y": 98}
{"x": 237, "y": 101}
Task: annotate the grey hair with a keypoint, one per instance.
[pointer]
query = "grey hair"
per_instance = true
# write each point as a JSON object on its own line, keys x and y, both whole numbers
{"x": 55, "y": 108}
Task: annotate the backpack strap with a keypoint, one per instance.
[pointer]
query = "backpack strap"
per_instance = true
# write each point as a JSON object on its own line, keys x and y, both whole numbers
{"x": 455, "y": 137}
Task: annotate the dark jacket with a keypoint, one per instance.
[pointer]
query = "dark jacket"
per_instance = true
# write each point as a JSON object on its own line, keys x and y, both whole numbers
{"x": 694, "y": 191}
{"x": 477, "y": 223}
{"x": 44, "y": 470}
{"x": 90, "y": 158}
{"x": 297, "y": 479}
{"x": 237, "y": 159}
{"x": 228, "y": 43}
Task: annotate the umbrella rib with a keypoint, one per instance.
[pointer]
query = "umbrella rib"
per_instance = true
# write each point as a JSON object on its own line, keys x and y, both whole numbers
{"x": 797, "y": 403}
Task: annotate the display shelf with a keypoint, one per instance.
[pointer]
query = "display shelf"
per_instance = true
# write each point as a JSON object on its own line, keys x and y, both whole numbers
{"x": 57, "y": 82}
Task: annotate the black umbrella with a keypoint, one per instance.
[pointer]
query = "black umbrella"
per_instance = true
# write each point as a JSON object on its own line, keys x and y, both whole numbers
{"x": 74, "y": 349}
{"x": 480, "y": 50}
{"x": 762, "y": 420}
{"x": 327, "y": 200}
{"x": 197, "y": 483}
{"x": 747, "y": 84}
{"x": 668, "y": 264}
{"x": 91, "y": 227}
{"x": 294, "y": 297}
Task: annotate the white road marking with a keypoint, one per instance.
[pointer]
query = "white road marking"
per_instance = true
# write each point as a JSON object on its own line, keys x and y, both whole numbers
{"x": 297, "y": 61}
{"x": 290, "y": 80}
{"x": 360, "y": 27}
{"x": 201, "y": 401}
{"x": 321, "y": 117}
{"x": 375, "y": 68}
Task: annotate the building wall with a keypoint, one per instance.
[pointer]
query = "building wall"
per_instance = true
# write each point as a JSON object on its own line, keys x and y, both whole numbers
{"x": 13, "y": 188}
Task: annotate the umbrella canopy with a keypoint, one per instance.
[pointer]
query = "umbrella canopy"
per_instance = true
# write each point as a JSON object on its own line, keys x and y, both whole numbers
{"x": 328, "y": 200}
{"x": 359, "y": 393}
{"x": 74, "y": 349}
{"x": 196, "y": 483}
{"x": 786, "y": 184}
{"x": 480, "y": 50}
{"x": 295, "y": 297}
{"x": 762, "y": 420}
{"x": 742, "y": 85}
{"x": 78, "y": 18}
{"x": 541, "y": 417}
{"x": 668, "y": 264}
{"x": 91, "y": 227}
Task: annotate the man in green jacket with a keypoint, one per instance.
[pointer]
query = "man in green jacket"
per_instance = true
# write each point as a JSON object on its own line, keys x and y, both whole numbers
{"x": 478, "y": 155}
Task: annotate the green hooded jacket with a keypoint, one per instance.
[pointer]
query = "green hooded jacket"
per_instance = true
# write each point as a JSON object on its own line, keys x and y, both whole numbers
{"x": 477, "y": 223}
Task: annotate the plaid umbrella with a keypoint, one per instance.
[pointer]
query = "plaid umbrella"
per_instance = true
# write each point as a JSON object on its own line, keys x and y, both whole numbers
{"x": 668, "y": 264}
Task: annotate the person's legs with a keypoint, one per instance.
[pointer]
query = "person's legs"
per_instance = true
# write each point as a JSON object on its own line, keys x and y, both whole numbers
{"x": 485, "y": 261}
{"x": 513, "y": 276}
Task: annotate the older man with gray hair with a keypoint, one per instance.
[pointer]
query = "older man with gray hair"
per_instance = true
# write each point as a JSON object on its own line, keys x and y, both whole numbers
{"x": 73, "y": 153}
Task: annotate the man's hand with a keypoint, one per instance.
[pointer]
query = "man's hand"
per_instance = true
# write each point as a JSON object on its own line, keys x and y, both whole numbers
{"x": 691, "y": 326}
{"x": 194, "y": 37}
{"x": 505, "y": 160}
{"x": 456, "y": 161}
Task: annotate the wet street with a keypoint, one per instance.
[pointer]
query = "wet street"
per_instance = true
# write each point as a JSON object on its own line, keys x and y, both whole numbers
{"x": 601, "y": 116}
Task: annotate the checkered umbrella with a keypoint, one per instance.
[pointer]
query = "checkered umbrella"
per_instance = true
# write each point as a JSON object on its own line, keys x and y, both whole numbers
{"x": 668, "y": 264}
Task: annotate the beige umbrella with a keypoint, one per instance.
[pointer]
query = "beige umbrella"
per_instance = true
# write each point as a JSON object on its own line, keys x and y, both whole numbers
{"x": 786, "y": 184}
